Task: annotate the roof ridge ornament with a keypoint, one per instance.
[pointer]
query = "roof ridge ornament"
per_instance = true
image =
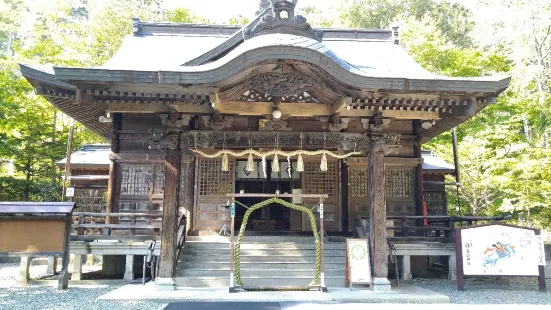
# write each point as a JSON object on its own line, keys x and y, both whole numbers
{"x": 282, "y": 19}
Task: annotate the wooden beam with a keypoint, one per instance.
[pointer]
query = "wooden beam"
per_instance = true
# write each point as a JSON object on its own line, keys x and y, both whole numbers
{"x": 137, "y": 107}
{"x": 286, "y": 108}
{"x": 215, "y": 101}
{"x": 341, "y": 105}
{"x": 158, "y": 107}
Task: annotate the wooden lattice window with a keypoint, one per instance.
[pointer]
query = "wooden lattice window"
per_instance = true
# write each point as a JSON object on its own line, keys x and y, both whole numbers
{"x": 435, "y": 202}
{"x": 140, "y": 179}
{"x": 214, "y": 181}
{"x": 321, "y": 182}
{"x": 358, "y": 182}
{"x": 399, "y": 183}
{"x": 91, "y": 200}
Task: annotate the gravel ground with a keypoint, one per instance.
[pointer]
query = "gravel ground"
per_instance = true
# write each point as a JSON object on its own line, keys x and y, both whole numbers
{"x": 34, "y": 297}
{"x": 16, "y": 296}
{"x": 493, "y": 291}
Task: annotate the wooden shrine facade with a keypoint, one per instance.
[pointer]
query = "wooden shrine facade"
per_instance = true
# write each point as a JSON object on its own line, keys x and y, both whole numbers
{"x": 175, "y": 94}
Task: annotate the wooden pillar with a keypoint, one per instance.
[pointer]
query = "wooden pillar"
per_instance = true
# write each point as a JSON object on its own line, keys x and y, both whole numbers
{"x": 380, "y": 146}
{"x": 418, "y": 182}
{"x": 113, "y": 187}
{"x": 170, "y": 213}
{"x": 344, "y": 195}
{"x": 188, "y": 190}
{"x": 380, "y": 261}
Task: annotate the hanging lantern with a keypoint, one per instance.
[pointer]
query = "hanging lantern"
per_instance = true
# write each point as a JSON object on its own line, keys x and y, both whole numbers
{"x": 275, "y": 164}
{"x": 250, "y": 163}
{"x": 323, "y": 165}
{"x": 225, "y": 162}
{"x": 300, "y": 163}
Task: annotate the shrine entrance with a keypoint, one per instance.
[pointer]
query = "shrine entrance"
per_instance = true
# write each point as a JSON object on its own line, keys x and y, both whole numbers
{"x": 273, "y": 217}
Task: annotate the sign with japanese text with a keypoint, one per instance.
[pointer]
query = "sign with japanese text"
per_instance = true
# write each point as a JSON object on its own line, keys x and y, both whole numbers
{"x": 498, "y": 250}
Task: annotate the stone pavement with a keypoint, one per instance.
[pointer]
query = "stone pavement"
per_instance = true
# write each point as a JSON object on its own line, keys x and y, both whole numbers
{"x": 402, "y": 294}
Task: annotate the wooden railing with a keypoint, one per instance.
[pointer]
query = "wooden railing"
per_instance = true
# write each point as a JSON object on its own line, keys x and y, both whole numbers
{"x": 180, "y": 237}
{"x": 89, "y": 226}
{"x": 423, "y": 228}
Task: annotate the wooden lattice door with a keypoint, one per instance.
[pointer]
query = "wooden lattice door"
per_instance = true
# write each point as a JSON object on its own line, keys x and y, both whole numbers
{"x": 315, "y": 181}
{"x": 358, "y": 193}
{"x": 212, "y": 186}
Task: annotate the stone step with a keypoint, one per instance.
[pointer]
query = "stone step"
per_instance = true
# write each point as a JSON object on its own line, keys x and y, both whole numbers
{"x": 262, "y": 252}
{"x": 264, "y": 245}
{"x": 255, "y": 282}
{"x": 282, "y": 273}
{"x": 287, "y": 238}
{"x": 207, "y": 258}
{"x": 257, "y": 265}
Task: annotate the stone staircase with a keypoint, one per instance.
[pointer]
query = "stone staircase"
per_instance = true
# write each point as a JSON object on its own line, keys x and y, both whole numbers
{"x": 269, "y": 261}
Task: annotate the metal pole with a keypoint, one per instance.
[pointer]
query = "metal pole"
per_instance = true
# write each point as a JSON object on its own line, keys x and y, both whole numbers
{"x": 322, "y": 284}
{"x": 68, "y": 160}
{"x": 232, "y": 245}
{"x": 456, "y": 163}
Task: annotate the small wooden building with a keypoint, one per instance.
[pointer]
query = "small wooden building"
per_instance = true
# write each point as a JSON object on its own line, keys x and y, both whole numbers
{"x": 201, "y": 111}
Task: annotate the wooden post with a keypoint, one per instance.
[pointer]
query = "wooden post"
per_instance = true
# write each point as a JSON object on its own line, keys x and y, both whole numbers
{"x": 380, "y": 267}
{"x": 232, "y": 246}
{"x": 188, "y": 190}
{"x": 380, "y": 146}
{"x": 418, "y": 175}
{"x": 323, "y": 288}
{"x": 344, "y": 196}
{"x": 113, "y": 187}
{"x": 170, "y": 215}
{"x": 68, "y": 160}
{"x": 460, "y": 277}
{"x": 63, "y": 277}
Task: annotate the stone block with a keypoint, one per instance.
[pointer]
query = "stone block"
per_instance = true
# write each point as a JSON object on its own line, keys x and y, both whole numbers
{"x": 381, "y": 285}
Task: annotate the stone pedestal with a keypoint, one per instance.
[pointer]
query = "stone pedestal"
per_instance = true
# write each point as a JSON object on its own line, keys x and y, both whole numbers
{"x": 165, "y": 284}
{"x": 24, "y": 267}
{"x": 452, "y": 268}
{"x": 77, "y": 267}
{"x": 129, "y": 268}
{"x": 52, "y": 265}
{"x": 381, "y": 285}
{"x": 406, "y": 268}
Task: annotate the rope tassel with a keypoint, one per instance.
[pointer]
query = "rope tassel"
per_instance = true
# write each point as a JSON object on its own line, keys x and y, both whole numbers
{"x": 300, "y": 163}
{"x": 323, "y": 165}
{"x": 225, "y": 162}
{"x": 275, "y": 164}
{"x": 250, "y": 163}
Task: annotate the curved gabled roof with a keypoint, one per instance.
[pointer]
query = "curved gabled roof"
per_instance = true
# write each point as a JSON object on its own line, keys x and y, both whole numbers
{"x": 398, "y": 72}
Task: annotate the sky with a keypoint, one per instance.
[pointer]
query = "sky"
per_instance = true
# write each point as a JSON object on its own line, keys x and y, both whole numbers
{"x": 225, "y": 9}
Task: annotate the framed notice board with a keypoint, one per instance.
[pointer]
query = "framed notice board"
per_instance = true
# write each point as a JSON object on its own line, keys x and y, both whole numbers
{"x": 358, "y": 263}
{"x": 499, "y": 250}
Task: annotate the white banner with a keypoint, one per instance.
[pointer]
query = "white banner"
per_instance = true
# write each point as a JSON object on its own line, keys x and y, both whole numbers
{"x": 500, "y": 250}
{"x": 358, "y": 261}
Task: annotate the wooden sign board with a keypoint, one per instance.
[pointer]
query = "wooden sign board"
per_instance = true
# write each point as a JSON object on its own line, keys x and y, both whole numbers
{"x": 499, "y": 250}
{"x": 358, "y": 264}
{"x": 32, "y": 235}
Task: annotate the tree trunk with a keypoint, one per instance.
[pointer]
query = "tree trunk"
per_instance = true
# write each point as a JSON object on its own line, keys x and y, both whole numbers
{"x": 26, "y": 192}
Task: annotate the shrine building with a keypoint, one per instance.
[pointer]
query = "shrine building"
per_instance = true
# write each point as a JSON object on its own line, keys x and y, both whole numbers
{"x": 200, "y": 117}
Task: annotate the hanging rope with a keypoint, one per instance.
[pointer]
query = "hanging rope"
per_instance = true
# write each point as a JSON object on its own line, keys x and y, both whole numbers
{"x": 273, "y": 152}
{"x": 317, "y": 271}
